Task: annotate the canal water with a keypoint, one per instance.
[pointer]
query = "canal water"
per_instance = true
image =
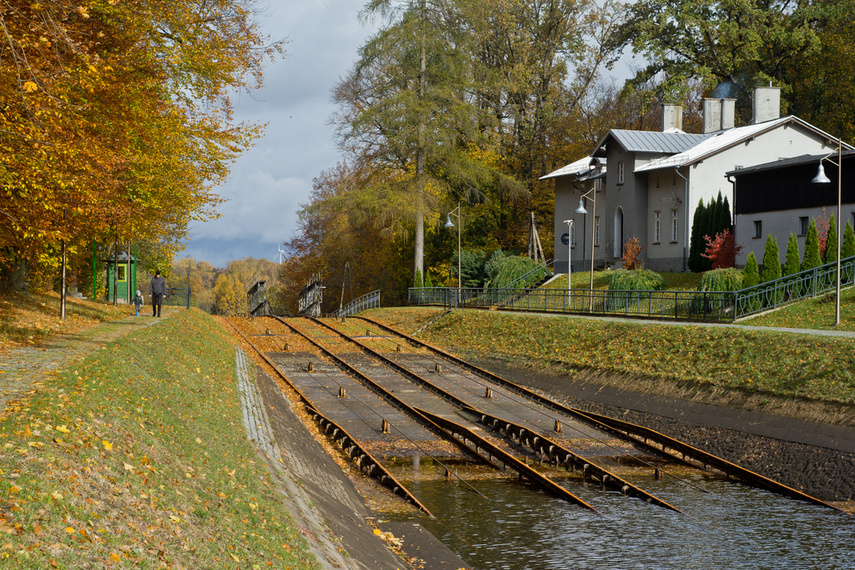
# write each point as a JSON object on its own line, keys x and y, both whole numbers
{"x": 726, "y": 525}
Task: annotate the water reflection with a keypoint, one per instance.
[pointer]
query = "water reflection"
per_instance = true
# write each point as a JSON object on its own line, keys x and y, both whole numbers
{"x": 731, "y": 526}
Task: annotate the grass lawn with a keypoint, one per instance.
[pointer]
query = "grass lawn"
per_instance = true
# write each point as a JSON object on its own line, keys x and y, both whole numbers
{"x": 812, "y": 314}
{"x": 582, "y": 280}
{"x": 137, "y": 457}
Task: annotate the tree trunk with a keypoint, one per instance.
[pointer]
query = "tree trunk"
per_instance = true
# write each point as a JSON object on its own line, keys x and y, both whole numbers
{"x": 419, "y": 256}
{"x": 63, "y": 284}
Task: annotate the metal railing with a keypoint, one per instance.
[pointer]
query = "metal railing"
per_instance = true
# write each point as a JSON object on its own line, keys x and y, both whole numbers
{"x": 792, "y": 288}
{"x": 177, "y": 297}
{"x": 681, "y": 305}
{"x": 540, "y": 267}
{"x": 368, "y": 301}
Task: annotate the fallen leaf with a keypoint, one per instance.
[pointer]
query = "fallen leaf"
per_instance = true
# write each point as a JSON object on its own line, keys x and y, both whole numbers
{"x": 69, "y": 530}
{"x": 107, "y": 445}
{"x": 62, "y": 429}
{"x": 129, "y": 467}
{"x": 174, "y": 519}
{"x": 56, "y": 495}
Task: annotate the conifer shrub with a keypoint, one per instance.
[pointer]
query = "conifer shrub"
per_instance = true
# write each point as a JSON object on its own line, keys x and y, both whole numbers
{"x": 830, "y": 255}
{"x": 791, "y": 264}
{"x": 812, "y": 258}
{"x": 848, "y": 248}
{"x": 771, "y": 260}
{"x": 751, "y": 278}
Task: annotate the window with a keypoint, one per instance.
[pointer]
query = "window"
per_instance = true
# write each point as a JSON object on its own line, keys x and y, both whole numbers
{"x": 803, "y": 225}
{"x": 620, "y": 172}
{"x": 657, "y": 226}
{"x": 121, "y": 276}
{"x": 758, "y": 229}
{"x": 674, "y": 225}
{"x": 597, "y": 230}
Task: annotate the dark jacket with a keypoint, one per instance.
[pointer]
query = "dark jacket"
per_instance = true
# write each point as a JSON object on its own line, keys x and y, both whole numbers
{"x": 137, "y": 300}
{"x": 158, "y": 285}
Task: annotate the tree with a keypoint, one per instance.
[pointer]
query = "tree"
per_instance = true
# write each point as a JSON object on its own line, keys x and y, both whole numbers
{"x": 811, "y": 258}
{"x": 830, "y": 253}
{"x": 116, "y": 115}
{"x": 848, "y": 248}
{"x": 631, "y": 252}
{"x": 751, "y": 273}
{"x": 696, "y": 243}
{"x": 722, "y": 250}
{"x": 771, "y": 260}
{"x": 229, "y": 296}
{"x": 740, "y": 44}
{"x": 791, "y": 262}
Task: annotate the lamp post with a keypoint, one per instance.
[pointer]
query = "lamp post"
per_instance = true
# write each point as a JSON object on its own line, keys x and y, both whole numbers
{"x": 569, "y": 257}
{"x": 821, "y": 178}
{"x": 581, "y": 210}
{"x": 448, "y": 224}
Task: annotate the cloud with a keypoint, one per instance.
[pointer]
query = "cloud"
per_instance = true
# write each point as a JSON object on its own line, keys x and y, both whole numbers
{"x": 271, "y": 181}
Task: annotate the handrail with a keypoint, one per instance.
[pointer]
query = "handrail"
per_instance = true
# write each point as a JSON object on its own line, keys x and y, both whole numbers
{"x": 368, "y": 301}
{"x": 544, "y": 265}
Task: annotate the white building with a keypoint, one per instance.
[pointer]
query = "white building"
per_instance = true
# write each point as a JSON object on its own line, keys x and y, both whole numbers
{"x": 653, "y": 181}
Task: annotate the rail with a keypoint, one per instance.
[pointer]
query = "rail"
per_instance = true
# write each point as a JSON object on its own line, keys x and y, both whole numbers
{"x": 176, "y": 297}
{"x": 368, "y": 301}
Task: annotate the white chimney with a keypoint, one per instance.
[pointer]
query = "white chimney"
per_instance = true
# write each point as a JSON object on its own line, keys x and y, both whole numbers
{"x": 712, "y": 115}
{"x": 728, "y": 113}
{"x": 672, "y": 117}
{"x": 767, "y": 104}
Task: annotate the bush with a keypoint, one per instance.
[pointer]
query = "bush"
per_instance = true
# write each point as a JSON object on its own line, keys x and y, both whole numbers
{"x": 729, "y": 279}
{"x": 622, "y": 280}
{"x": 636, "y": 280}
{"x": 631, "y": 251}
{"x": 848, "y": 249}
{"x": 509, "y": 269}
{"x": 830, "y": 254}
{"x": 751, "y": 278}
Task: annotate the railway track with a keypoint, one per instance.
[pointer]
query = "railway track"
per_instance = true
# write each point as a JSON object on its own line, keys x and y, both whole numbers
{"x": 382, "y": 395}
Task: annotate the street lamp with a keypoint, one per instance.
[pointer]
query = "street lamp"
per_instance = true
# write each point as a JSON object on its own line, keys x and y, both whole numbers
{"x": 821, "y": 178}
{"x": 448, "y": 224}
{"x": 581, "y": 210}
{"x": 569, "y": 258}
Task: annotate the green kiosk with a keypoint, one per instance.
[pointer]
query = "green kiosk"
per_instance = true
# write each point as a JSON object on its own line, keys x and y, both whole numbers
{"x": 121, "y": 277}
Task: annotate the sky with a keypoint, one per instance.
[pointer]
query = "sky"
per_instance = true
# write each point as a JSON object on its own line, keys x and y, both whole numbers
{"x": 271, "y": 181}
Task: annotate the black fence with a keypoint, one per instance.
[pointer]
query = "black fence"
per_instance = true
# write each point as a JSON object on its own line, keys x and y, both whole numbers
{"x": 678, "y": 305}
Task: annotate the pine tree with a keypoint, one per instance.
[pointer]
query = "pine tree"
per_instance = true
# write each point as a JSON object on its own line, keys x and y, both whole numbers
{"x": 812, "y": 258}
{"x": 848, "y": 249}
{"x": 708, "y": 228}
{"x": 696, "y": 243}
{"x": 791, "y": 264}
{"x": 428, "y": 280}
{"x": 417, "y": 282}
{"x": 751, "y": 273}
{"x": 831, "y": 241}
{"x": 726, "y": 218}
{"x": 771, "y": 260}
{"x": 719, "y": 224}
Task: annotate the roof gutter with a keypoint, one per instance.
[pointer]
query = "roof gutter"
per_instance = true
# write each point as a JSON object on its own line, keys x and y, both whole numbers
{"x": 685, "y": 215}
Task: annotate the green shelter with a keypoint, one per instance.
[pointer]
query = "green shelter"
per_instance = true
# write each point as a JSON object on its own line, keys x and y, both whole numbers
{"x": 121, "y": 277}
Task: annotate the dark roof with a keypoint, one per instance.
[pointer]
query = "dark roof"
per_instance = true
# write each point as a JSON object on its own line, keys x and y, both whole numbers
{"x": 670, "y": 142}
{"x": 785, "y": 163}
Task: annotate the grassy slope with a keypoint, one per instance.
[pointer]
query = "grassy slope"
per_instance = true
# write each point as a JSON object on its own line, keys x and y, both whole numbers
{"x": 772, "y": 363}
{"x": 137, "y": 457}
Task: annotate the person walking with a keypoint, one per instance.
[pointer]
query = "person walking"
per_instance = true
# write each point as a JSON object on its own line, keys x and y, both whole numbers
{"x": 138, "y": 302}
{"x": 158, "y": 292}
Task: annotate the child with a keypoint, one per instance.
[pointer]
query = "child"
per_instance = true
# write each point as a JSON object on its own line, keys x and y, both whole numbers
{"x": 138, "y": 302}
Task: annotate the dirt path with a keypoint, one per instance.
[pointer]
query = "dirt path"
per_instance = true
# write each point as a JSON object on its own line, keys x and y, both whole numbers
{"x": 24, "y": 369}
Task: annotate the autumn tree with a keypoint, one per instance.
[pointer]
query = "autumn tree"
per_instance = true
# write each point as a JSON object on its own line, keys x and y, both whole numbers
{"x": 117, "y": 121}
{"x": 722, "y": 250}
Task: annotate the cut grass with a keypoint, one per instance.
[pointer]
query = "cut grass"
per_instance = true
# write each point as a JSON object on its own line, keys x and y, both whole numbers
{"x": 815, "y": 314}
{"x": 779, "y": 364}
{"x": 137, "y": 457}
